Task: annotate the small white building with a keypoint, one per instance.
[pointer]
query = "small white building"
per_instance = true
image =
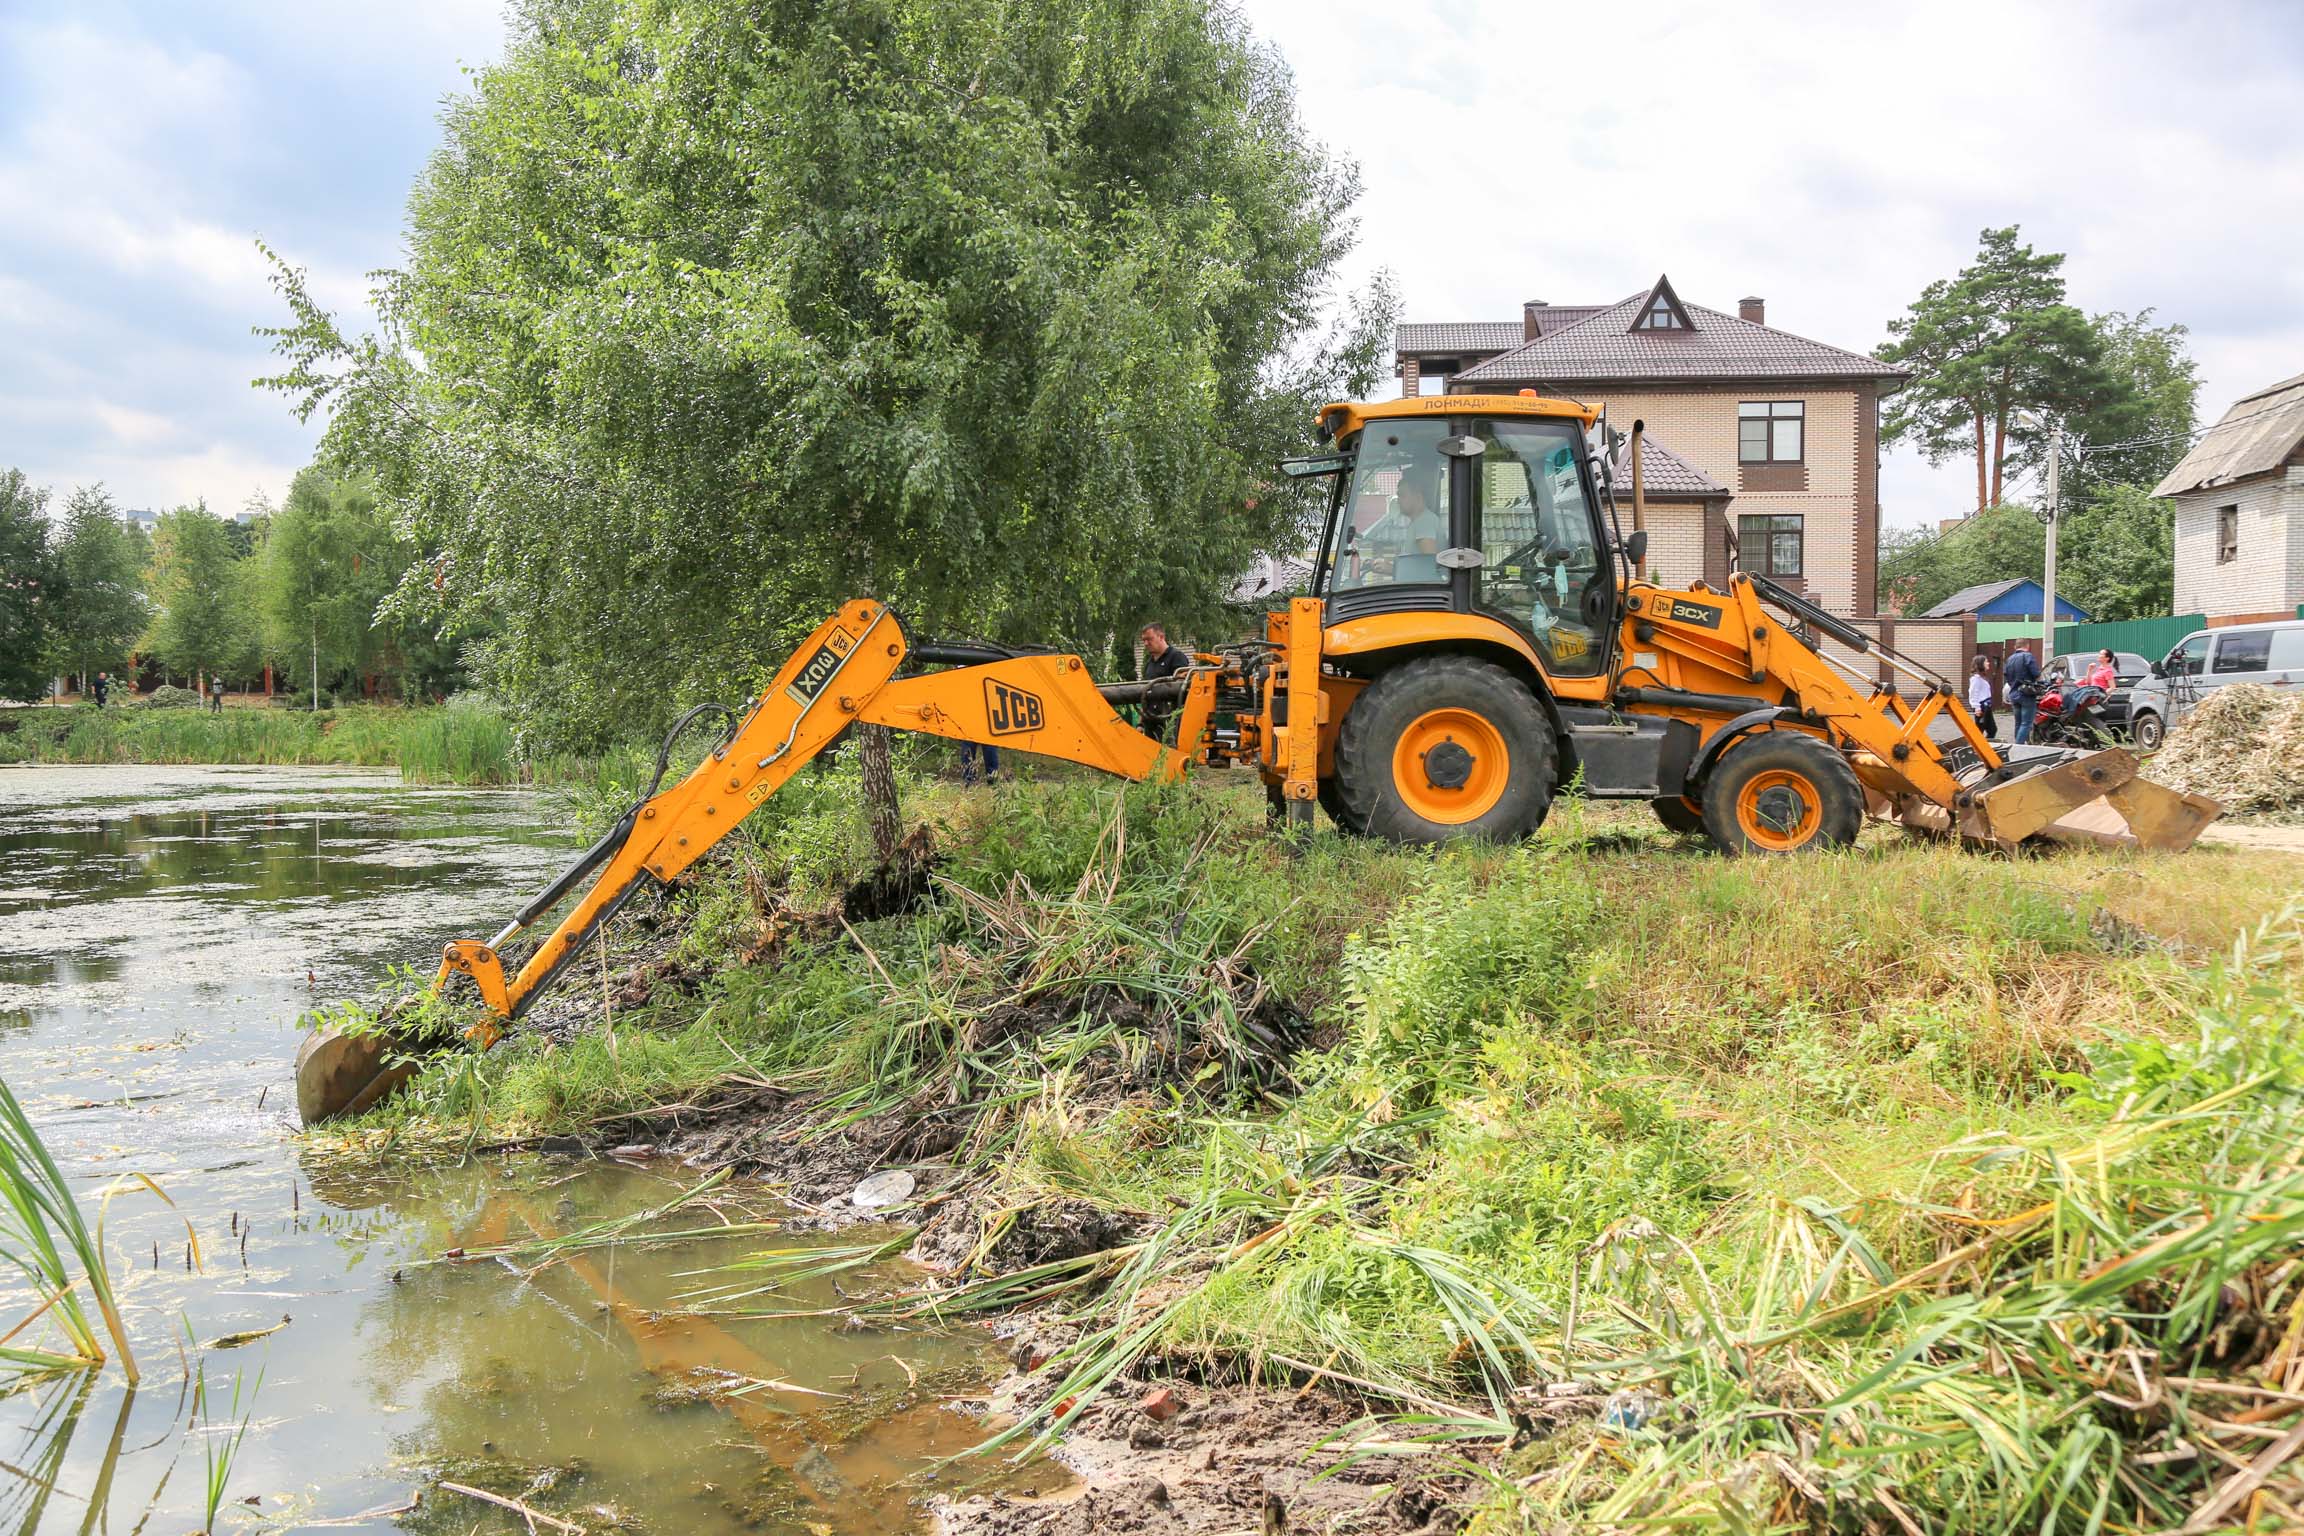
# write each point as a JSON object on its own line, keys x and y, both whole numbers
{"x": 2238, "y": 498}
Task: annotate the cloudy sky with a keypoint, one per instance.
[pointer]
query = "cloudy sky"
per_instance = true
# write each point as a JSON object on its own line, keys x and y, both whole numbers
{"x": 1833, "y": 158}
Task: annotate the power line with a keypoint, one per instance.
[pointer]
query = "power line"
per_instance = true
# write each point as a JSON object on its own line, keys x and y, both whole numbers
{"x": 2134, "y": 444}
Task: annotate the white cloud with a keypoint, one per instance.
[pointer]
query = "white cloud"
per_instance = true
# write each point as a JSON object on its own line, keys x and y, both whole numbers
{"x": 144, "y": 147}
{"x": 1833, "y": 159}
{"x": 134, "y": 428}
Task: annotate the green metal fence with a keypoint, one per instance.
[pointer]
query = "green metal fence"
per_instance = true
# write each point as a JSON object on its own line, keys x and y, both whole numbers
{"x": 2149, "y": 638}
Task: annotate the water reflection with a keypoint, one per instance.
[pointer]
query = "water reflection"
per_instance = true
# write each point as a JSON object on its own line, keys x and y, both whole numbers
{"x": 160, "y": 931}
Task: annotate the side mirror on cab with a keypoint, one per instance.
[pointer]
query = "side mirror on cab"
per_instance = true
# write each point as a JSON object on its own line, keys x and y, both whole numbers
{"x": 1636, "y": 548}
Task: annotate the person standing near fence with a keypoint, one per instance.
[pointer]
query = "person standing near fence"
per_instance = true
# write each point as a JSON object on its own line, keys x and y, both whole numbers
{"x": 1980, "y": 695}
{"x": 2021, "y": 676}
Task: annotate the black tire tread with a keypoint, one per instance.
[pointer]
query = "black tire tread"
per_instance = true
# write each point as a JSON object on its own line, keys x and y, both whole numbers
{"x": 1840, "y": 793}
{"x": 1365, "y": 740}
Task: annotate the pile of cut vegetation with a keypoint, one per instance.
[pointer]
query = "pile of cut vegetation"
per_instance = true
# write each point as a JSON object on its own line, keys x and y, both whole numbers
{"x": 2244, "y": 746}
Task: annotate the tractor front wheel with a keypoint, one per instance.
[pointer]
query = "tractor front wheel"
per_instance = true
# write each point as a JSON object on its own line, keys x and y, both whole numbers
{"x": 1783, "y": 792}
{"x": 1445, "y": 747}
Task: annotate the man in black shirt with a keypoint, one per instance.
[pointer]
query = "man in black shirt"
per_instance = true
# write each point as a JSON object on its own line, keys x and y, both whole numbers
{"x": 2020, "y": 676}
{"x": 1160, "y": 660}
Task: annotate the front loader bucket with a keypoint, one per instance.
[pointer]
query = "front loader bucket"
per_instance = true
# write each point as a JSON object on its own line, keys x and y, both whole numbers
{"x": 2083, "y": 797}
{"x": 340, "y": 1072}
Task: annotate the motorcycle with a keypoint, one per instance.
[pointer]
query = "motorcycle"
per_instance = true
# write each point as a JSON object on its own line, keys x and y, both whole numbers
{"x": 2072, "y": 715}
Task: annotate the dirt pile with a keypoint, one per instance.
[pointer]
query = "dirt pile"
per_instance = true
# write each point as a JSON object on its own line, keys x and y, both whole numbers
{"x": 2242, "y": 746}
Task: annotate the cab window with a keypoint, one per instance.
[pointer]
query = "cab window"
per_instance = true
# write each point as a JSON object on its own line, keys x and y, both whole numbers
{"x": 1541, "y": 567}
{"x": 1394, "y": 521}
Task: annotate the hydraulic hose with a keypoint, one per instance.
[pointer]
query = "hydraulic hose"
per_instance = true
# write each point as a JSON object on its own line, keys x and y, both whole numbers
{"x": 613, "y": 839}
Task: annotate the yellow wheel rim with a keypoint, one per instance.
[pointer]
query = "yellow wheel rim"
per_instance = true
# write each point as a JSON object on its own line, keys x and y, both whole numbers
{"x": 1779, "y": 810}
{"x": 1450, "y": 766}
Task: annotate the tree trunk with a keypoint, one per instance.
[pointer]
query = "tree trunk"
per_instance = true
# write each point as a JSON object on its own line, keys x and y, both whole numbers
{"x": 1999, "y": 452}
{"x": 880, "y": 808}
{"x": 1982, "y": 500}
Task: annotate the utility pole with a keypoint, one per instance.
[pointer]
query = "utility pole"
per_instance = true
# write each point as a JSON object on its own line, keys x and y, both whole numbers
{"x": 2048, "y": 514}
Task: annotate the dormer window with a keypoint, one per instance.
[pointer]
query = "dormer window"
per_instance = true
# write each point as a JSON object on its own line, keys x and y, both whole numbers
{"x": 1661, "y": 310}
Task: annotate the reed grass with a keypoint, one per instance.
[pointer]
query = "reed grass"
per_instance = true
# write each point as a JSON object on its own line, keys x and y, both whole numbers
{"x": 44, "y": 1236}
{"x": 457, "y": 743}
{"x": 220, "y": 1449}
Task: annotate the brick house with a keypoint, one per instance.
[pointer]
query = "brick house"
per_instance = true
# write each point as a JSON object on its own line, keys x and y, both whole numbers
{"x": 2238, "y": 499}
{"x": 1751, "y": 429}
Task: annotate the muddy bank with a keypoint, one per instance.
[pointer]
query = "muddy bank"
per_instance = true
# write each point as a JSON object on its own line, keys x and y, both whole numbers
{"x": 1163, "y": 1454}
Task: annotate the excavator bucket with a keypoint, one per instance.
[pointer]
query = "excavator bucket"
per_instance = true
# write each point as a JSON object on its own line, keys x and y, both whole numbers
{"x": 2074, "y": 797}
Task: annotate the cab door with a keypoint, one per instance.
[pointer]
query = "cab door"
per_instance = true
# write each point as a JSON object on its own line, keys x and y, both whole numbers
{"x": 1528, "y": 512}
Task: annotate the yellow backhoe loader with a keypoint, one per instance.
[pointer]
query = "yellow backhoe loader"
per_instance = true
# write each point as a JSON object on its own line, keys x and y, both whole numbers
{"x": 1479, "y": 636}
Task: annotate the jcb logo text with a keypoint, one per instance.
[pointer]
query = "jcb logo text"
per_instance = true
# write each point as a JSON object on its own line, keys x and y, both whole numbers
{"x": 1010, "y": 711}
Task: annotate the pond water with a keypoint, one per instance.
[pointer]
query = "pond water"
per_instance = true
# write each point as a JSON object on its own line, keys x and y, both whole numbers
{"x": 161, "y": 930}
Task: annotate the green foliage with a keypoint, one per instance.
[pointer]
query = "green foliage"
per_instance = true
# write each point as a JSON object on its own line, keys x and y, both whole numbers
{"x": 100, "y": 611}
{"x": 2157, "y": 397}
{"x": 468, "y": 743}
{"x": 727, "y": 313}
{"x": 1877, "y": 1169}
{"x": 2116, "y": 553}
{"x": 42, "y": 1236}
{"x": 1920, "y": 567}
{"x": 200, "y": 619}
{"x": 1997, "y": 340}
{"x": 1454, "y": 964}
{"x": 28, "y": 587}
{"x": 329, "y": 559}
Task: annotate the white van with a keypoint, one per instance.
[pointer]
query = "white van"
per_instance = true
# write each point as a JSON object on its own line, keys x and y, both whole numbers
{"x": 2272, "y": 654}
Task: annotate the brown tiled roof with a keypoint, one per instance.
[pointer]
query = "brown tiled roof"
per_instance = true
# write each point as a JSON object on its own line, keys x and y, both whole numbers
{"x": 1605, "y": 348}
{"x": 2259, "y": 434}
{"x": 1459, "y": 336}
{"x": 1488, "y": 335}
{"x": 1552, "y": 319}
{"x": 1664, "y": 473}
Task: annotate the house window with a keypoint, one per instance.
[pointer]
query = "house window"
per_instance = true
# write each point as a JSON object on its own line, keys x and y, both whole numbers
{"x": 1659, "y": 316}
{"x": 1769, "y": 545}
{"x": 2227, "y": 535}
{"x": 1769, "y": 431}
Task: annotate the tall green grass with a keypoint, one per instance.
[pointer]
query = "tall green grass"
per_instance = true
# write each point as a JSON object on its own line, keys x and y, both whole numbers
{"x": 456, "y": 743}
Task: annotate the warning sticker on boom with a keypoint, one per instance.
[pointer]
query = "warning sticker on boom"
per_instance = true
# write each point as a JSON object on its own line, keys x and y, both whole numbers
{"x": 819, "y": 669}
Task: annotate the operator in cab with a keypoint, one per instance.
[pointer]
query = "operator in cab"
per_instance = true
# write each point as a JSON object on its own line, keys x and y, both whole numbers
{"x": 1404, "y": 544}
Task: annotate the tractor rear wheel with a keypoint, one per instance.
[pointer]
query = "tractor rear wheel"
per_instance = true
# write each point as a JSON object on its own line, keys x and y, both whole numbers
{"x": 1783, "y": 792}
{"x": 1332, "y": 801}
{"x": 1679, "y": 814}
{"x": 1445, "y": 747}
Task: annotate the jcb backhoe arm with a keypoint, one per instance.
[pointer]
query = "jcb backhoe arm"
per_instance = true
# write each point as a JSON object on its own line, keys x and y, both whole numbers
{"x": 844, "y": 673}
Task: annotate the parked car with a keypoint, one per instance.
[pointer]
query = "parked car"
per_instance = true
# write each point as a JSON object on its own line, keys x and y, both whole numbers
{"x": 2272, "y": 654}
{"x": 2128, "y": 670}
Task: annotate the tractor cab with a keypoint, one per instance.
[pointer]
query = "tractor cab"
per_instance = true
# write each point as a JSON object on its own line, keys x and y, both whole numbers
{"x": 1478, "y": 505}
